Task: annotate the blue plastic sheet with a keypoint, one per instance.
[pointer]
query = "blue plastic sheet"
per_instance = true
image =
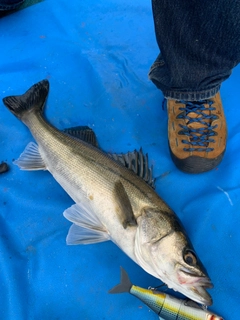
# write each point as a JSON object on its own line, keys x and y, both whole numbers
{"x": 96, "y": 55}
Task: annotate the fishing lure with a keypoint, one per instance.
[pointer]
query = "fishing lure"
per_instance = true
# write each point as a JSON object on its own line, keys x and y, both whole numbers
{"x": 167, "y": 307}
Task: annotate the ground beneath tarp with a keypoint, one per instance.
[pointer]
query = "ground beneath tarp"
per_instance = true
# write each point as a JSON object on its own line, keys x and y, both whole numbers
{"x": 96, "y": 55}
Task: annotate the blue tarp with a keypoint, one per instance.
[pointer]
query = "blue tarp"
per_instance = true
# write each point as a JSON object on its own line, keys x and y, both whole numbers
{"x": 96, "y": 55}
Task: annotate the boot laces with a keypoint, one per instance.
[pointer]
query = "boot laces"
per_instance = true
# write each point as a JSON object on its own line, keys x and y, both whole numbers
{"x": 198, "y": 127}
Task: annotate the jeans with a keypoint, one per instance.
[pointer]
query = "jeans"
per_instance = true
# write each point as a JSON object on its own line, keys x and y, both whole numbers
{"x": 10, "y": 4}
{"x": 199, "y": 42}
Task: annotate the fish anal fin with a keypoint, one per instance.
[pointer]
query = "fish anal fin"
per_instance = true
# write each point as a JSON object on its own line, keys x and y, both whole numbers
{"x": 83, "y": 133}
{"x": 125, "y": 212}
{"x": 30, "y": 159}
{"x": 80, "y": 235}
{"x": 86, "y": 226}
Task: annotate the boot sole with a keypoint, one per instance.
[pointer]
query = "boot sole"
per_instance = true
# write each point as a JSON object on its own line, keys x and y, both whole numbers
{"x": 195, "y": 164}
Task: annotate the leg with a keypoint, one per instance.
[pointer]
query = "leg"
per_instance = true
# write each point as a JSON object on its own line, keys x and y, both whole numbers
{"x": 200, "y": 45}
{"x": 6, "y": 5}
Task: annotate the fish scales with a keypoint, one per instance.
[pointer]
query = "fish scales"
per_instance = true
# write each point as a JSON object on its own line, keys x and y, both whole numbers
{"x": 95, "y": 178}
{"x": 112, "y": 202}
{"x": 91, "y": 165}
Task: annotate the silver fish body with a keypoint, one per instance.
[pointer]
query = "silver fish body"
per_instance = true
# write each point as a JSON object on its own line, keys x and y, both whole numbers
{"x": 112, "y": 202}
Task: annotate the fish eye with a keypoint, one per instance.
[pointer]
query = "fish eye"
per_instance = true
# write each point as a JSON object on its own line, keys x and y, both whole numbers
{"x": 190, "y": 258}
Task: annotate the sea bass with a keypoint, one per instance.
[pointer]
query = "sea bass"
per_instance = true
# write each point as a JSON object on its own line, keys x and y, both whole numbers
{"x": 165, "y": 306}
{"x": 112, "y": 201}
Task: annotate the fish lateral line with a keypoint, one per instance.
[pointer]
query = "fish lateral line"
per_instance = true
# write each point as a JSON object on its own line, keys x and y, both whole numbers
{"x": 135, "y": 161}
{"x": 74, "y": 173}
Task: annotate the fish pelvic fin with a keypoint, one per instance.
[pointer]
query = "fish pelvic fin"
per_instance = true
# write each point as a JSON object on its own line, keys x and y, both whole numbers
{"x": 33, "y": 99}
{"x": 86, "y": 228}
{"x": 31, "y": 159}
{"x": 124, "y": 286}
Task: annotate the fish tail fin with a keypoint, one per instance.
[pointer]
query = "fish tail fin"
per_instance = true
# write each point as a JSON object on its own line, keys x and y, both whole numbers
{"x": 33, "y": 99}
{"x": 124, "y": 286}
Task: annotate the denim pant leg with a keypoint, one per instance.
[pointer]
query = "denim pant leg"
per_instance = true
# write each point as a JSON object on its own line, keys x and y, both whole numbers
{"x": 199, "y": 41}
{"x": 10, "y": 4}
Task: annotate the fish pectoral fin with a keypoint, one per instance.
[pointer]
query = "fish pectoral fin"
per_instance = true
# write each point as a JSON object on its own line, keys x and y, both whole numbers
{"x": 30, "y": 159}
{"x": 83, "y": 133}
{"x": 124, "y": 207}
{"x": 86, "y": 227}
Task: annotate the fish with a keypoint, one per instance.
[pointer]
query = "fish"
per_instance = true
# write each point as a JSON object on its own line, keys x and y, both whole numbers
{"x": 164, "y": 305}
{"x": 112, "y": 200}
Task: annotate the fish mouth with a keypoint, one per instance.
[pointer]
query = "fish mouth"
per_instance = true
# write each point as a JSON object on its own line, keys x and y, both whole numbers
{"x": 201, "y": 295}
{"x": 204, "y": 282}
{"x": 196, "y": 288}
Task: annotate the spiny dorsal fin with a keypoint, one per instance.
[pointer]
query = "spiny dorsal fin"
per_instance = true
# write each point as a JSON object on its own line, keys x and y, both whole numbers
{"x": 136, "y": 161}
{"x": 83, "y": 133}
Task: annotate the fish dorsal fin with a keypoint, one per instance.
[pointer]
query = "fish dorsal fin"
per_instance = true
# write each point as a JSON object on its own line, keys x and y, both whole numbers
{"x": 136, "y": 161}
{"x": 125, "y": 212}
{"x": 83, "y": 133}
{"x": 86, "y": 227}
{"x": 30, "y": 159}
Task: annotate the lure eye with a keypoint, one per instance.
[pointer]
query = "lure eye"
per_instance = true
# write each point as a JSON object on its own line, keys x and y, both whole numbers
{"x": 190, "y": 258}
